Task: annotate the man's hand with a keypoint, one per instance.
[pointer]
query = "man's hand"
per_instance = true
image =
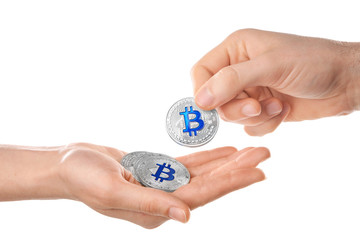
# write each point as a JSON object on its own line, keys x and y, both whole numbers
{"x": 259, "y": 79}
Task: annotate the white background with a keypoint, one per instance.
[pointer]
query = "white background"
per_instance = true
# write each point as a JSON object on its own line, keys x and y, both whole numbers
{"x": 106, "y": 72}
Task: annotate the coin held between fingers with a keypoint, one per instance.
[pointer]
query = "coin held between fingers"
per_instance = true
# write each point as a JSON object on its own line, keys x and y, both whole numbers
{"x": 190, "y": 126}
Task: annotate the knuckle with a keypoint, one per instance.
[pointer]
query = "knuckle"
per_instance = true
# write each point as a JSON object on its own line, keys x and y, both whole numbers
{"x": 241, "y": 33}
{"x": 228, "y": 115}
{"x": 223, "y": 113}
{"x": 233, "y": 76}
{"x": 224, "y": 118}
{"x": 228, "y": 75}
{"x": 149, "y": 205}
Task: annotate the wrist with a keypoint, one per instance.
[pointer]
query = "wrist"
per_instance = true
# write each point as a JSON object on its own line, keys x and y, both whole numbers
{"x": 47, "y": 181}
{"x": 30, "y": 173}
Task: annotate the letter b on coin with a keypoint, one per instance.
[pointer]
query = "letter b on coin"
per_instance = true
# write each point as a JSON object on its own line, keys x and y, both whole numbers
{"x": 190, "y": 126}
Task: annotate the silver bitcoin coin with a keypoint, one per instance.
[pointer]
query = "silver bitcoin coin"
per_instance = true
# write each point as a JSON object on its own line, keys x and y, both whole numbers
{"x": 190, "y": 126}
{"x": 156, "y": 170}
{"x": 129, "y": 161}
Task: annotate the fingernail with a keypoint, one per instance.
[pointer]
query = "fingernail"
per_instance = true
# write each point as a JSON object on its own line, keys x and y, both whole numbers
{"x": 177, "y": 214}
{"x": 250, "y": 110}
{"x": 273, "y": 108}
{"x": 204, "y": 98}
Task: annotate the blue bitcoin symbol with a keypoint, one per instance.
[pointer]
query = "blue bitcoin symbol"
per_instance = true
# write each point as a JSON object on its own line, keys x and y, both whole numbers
{"x": 160, "y": 170}
{"x": 188, "y": 120}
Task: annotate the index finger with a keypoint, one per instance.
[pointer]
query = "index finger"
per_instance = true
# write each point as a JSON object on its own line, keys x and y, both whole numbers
{"x": 226, "y": 53}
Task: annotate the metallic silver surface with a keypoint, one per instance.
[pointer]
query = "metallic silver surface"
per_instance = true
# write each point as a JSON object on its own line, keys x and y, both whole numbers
{"x": 188, "y": 135}
{"x": 156, "y": 170}
{"x": 171, "y": 177}
{"x": 130, "y": 160}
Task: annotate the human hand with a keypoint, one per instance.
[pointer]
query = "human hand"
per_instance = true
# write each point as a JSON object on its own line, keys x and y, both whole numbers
{"x": 259, "y": 79}
{"x": 92, "y": 174}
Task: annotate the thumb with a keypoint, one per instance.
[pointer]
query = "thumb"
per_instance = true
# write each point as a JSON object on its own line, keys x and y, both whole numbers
{"x": 227, "y": 83}
{"x": 151, "y": 201}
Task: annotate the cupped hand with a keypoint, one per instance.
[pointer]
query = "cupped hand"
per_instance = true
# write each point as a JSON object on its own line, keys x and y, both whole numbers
{"x": 92, "y": 174}
{"x": 259, "y": 79}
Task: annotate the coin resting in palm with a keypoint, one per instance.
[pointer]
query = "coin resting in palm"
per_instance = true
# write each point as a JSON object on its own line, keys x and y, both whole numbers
{"x": 156, "y": 170}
